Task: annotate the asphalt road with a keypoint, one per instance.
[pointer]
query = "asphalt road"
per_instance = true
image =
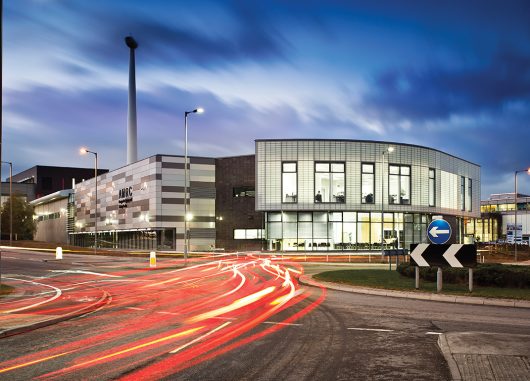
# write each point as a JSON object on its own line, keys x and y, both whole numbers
{"x": 242, "y": 319}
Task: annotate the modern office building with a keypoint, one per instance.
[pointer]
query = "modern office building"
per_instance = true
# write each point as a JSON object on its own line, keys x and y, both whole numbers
{"x": 292, "y": 195}
{"x": 360, "y": 195}
{"x": 141, "y": 205}
{"x": 54, "y": 216}
{"x": 498, "y": 218}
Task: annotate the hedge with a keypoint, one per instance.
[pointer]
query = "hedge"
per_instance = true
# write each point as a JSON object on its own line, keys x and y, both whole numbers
{"x": 495, "y": 275}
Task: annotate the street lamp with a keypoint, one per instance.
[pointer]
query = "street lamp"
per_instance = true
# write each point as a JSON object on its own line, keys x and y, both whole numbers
{"x": 515, "y": 199}
{"x": 388, "y": 150}
{"x": 10, "y": 201}
{"x": 186, "y": 217}
{"x": 83, "y": 152}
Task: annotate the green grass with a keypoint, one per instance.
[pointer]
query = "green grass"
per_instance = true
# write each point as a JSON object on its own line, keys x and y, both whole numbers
{"x": 5, "y": 289}
{"x": 394, "y": 281}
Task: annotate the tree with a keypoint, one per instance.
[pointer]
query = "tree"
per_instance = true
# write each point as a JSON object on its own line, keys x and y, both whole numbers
{"x": 24, "y": 226}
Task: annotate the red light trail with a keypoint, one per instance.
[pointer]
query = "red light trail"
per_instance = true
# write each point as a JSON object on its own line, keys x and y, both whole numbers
{"x": 156, "y": 323}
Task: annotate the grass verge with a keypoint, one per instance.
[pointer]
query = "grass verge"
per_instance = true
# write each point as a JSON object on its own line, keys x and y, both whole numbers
{"x": 394, "y": 281}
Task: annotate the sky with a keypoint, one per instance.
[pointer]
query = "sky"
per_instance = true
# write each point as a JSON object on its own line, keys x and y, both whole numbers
{"x": 451, "y": 75}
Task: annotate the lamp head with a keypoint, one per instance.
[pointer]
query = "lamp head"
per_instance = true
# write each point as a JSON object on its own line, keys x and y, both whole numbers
{"x": 199, "y": 110}
{"x": 83, "y": 151}
{"x": 390, "y": 149}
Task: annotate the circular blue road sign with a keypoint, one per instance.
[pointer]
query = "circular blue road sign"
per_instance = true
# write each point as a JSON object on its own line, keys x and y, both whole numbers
{"x": 439, "y": 231}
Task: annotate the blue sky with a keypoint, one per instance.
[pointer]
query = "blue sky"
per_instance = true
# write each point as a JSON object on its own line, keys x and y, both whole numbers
{"x": 450, "y": 75}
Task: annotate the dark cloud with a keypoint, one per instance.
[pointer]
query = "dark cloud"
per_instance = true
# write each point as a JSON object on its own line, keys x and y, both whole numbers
{"x": 437, "y": 93}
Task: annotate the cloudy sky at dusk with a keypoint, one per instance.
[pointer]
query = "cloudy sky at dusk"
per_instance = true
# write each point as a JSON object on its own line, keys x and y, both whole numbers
{"x": 452, "y": 75}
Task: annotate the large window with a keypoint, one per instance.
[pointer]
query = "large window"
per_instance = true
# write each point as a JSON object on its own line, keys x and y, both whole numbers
{"x": 243, "y": 192}
{"x": 432, "y": 187}
{"x": 399, "y": 184}
{"x": 462, "y": 193}
{"x": 469, "y": 194}
{"x": 289, "y": 182}
{"x": 329, "y": 182}
{"x": 367, "y": 183}
{"x": 248, "y": 233}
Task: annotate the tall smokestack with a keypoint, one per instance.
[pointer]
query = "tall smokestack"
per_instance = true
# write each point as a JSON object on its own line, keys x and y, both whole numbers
{"x": 132, "y": 144}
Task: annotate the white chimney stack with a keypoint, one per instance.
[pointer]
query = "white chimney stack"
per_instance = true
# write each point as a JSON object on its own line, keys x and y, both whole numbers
{"x": 132, "y": 144}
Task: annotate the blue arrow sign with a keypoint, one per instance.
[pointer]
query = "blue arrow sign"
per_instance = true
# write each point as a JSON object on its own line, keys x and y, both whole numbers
{"x": 439, "y": 231}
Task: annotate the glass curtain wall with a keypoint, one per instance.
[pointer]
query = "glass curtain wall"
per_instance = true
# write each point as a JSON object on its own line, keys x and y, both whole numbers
{"x": 325, "y": 231}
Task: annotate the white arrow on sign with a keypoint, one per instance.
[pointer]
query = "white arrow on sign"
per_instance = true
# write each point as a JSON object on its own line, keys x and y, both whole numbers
{"x": 417, "y": 254}
{"x": 449, "y": 255}
{"x": 434, "y": 231}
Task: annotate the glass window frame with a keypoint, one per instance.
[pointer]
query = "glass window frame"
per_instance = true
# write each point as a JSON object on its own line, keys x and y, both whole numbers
{"x": 432, "y": 187}
{"x": 295, "y": 201}
{"x": 363, "y": 199}
{"x": 330, "y": 172}
{"x": 400, "y": 177}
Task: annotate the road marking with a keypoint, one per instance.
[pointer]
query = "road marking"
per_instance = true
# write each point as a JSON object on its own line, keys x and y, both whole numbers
{"x": 434, "y": 333}
{"x": 273, "y": 322}
{"x": 58, "y": 293}
{"x": 84, "y": 272}
{"x": 135, "y": 308}
{"x": 200, "y": 338}
{"x": 372, "y": 329}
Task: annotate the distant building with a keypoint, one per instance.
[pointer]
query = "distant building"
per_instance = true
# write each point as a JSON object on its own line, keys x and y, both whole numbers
{"x": 50, "y": 179}
{"x": 53, "y": 216}
{"x": 498, "y": 217}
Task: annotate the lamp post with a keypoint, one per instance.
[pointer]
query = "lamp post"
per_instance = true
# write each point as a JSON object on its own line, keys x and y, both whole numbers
{"x": 83, "y": 152}
{"x": 388, "y": 150}
{"x": 515, "y": 214}
{"x": 198, "y": 110}
{"x": 10, "y": 201}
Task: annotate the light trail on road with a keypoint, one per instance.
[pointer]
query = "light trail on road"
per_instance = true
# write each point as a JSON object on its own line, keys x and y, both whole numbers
{"x": 166, "y": 320}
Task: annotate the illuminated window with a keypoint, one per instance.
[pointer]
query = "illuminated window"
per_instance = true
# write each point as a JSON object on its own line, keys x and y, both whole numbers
{"x": 432, "y": 187}
{"x": 367, "y": 183}
{"x": 469, "y": 194}
{"x": 243, "y": 192}
{"x": 248, "y": 233}
{"x": 399, "y": 184}
{"x": 329, "y": 182}
{"x": 289, "y": 183}
{"x": 462, "y": 193}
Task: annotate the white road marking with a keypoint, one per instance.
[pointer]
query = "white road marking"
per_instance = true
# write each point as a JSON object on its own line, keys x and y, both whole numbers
{"x": 433, "y": 333}
{"x": 135, "y": 308}
{"x": 84, "y": 272}
{"x": 58, "y": 293}
{"x": 273, "y": 322}
{"x": 167, "y": 313}
{"x": 372, "y": 329}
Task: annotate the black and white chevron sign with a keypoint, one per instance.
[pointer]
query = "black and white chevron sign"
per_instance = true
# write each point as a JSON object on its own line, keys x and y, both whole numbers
{"x": 456, "y": 255}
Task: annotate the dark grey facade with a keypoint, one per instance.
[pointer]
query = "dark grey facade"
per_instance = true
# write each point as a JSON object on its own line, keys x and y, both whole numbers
{"x": 50, "y": 179}
{"x": 238, "y": 225}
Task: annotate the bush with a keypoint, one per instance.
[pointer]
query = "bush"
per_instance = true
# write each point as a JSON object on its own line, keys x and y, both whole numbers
{"x": 483, "y": 275}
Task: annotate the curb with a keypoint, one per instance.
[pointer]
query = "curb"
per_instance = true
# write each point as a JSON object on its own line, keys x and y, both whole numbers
{"x": 105, "y": 299}
{"x": 451, "y": 363}
{"x": 309, "y": 281}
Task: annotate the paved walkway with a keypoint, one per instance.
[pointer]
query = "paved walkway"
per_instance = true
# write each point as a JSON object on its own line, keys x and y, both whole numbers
{"x": 471, "y": 356}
